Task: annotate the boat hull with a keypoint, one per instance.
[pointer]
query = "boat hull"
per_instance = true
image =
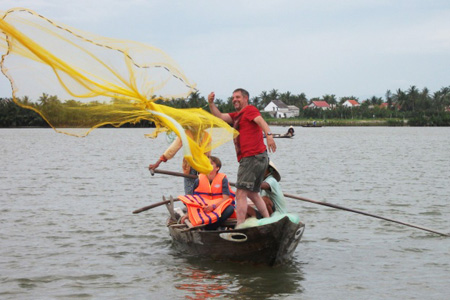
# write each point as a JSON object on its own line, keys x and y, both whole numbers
{"x": 270, "y": 244}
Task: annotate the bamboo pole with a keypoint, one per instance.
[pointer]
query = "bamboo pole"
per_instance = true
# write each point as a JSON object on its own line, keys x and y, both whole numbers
{"x": 293, "y": 197}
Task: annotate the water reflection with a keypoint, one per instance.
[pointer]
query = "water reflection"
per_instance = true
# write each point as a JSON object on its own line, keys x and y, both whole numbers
{"x": 205, "y": 279}
{"x": 200, "y": 284}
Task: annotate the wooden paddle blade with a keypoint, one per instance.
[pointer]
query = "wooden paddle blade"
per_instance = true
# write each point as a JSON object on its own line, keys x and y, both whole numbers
{"x": 153, "y": 206}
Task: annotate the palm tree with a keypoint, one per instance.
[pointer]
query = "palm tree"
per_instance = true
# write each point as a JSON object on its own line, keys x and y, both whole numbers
{"x": 413, "y": 97}
{"x": 255, "y": 101}
{"x": 265, "y": 98}
{"x": 375, "y": 100}
{"x": 424, "y": 100}
{"x": 441, "y": 99}
{"x": 301, "y": 100}
{"x": 286, "y": 98}
{"x": 196, "y": 101}
{"x": 400, "y": 99}
{"x": 388, "y": 97}
{"x": 445, "y": 96}
{"x": 330, "y": 99}
{"x": 274, "y": 95}
{"x": 26, "y": 100}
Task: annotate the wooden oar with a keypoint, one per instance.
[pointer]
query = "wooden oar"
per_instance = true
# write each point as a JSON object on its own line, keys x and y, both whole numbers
{"x": 153, "y": 206}
{"x": 308, "y": 200}
{"x": 362, "y": 213}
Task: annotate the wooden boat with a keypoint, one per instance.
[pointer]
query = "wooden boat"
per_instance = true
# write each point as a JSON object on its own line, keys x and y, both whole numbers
{"x": 270, "y": 244}
{"x": 279, "y": 135}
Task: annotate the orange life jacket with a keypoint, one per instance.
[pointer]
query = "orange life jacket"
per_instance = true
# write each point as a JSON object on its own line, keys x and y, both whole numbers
{"x": 214, "y": 190}
{"x": 206, "y": 194}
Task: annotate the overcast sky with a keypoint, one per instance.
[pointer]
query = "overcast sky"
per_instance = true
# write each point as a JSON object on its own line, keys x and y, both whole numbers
{"x": 345, "y": 47}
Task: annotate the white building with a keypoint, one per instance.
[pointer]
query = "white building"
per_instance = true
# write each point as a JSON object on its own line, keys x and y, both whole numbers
{"x": 278, "y": 109}
{"x": 350, "y": 103}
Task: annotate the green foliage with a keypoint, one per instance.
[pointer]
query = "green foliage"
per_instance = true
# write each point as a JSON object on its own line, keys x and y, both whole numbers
{"x": 417, "y": 107}
{"x": 438, "y": 119}
{"x": 12, "y": 115}
{"x": 265, "y": 98}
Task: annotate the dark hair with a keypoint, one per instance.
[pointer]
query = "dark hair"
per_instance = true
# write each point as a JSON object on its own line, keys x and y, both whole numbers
{"x": 243, "y": 92}
{"x": 216, "y": 160}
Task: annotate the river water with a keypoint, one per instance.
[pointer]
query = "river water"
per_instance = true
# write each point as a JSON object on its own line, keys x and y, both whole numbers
{"x": 67, "y": 228}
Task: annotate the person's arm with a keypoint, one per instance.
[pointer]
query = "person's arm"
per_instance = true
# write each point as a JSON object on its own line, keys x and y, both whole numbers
{"x": 215, "y": 111}
{"x": 186, "y": 216}
{"x": 225, "y": 196}
{"x": 168, "y": 154}
{"x": 265, "y": 186}
{"x": 196, "y": 182}
{"x": 225, "y": 189}
{"x": 265, "y": 128}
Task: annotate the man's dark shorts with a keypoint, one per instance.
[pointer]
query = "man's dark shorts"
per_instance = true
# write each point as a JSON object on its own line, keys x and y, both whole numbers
{"x": 251, "y": 172}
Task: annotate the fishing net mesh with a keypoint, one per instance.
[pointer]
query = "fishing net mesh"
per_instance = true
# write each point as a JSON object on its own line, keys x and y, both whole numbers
{"x": 84, "y": 81}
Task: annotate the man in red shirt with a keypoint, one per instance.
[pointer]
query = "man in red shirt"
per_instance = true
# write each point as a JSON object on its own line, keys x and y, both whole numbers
{"x": 250, "y": 150}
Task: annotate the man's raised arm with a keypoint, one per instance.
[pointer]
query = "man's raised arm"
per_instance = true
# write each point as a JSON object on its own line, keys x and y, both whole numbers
{"x": 215, "y": 111}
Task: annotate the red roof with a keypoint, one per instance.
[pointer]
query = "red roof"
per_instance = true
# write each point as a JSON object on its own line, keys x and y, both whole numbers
{"x": 353, "y": 102}
{"x": 321, "y": 104}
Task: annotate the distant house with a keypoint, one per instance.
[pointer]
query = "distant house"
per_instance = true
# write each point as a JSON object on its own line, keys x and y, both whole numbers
{"x": 318, "y": 104}
{"x": 294, "y": 110}
{"x": 277, "y": 109}
{"x": 351, "y": 103}
{"x": 392, "y": 106}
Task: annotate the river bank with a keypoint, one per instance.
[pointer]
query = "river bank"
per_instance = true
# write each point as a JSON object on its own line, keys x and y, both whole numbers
{"x": 337, "y": 122}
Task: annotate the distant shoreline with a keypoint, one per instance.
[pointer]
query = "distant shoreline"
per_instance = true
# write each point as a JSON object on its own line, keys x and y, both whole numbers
{"x": 299, "y": 122}
{"x": 337, "y": 122}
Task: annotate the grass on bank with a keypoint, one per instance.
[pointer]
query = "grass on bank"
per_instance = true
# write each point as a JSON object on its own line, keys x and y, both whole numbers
{"x": 337, "y": 122}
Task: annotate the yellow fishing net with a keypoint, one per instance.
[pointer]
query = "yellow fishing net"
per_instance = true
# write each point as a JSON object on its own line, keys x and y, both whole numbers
{"x": 85, "y": 81}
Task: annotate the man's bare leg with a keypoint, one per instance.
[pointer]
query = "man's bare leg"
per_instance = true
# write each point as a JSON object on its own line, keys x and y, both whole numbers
{"x": 241, "y": 206}
{"x": 259, "y": 202}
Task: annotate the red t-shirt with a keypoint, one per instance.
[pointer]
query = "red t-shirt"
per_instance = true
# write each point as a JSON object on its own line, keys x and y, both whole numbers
{"x": 250, "y": 140}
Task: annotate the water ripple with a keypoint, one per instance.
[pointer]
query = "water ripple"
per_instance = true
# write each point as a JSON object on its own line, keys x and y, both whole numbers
{"x": 69, "y": 232}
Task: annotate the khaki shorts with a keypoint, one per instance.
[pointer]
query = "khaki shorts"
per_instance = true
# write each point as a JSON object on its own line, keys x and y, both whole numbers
{"x": 251, "y": 172}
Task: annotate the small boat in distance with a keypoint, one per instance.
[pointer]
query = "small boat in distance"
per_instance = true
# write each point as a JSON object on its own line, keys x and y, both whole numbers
{"x": 311, "y": 125}
{"x": 289, "y": 134}
{"x": 314, "y": 124}
{"x": 279, "y": 135}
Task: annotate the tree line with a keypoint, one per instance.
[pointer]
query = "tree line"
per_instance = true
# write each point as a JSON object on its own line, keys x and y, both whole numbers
{"x": 418, "y": 107}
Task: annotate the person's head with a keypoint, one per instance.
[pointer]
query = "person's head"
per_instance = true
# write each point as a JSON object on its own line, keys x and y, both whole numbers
{"x": 217, "y": 164}
{"x": 215, "y": 161}
{"x": 272, "y": 169}
{"x": 240, "y": 98}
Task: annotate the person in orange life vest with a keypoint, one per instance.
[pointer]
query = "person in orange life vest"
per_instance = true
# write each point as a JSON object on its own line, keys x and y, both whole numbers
{"x": 187, "y": 169}
{"x": 215, "y": 191}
